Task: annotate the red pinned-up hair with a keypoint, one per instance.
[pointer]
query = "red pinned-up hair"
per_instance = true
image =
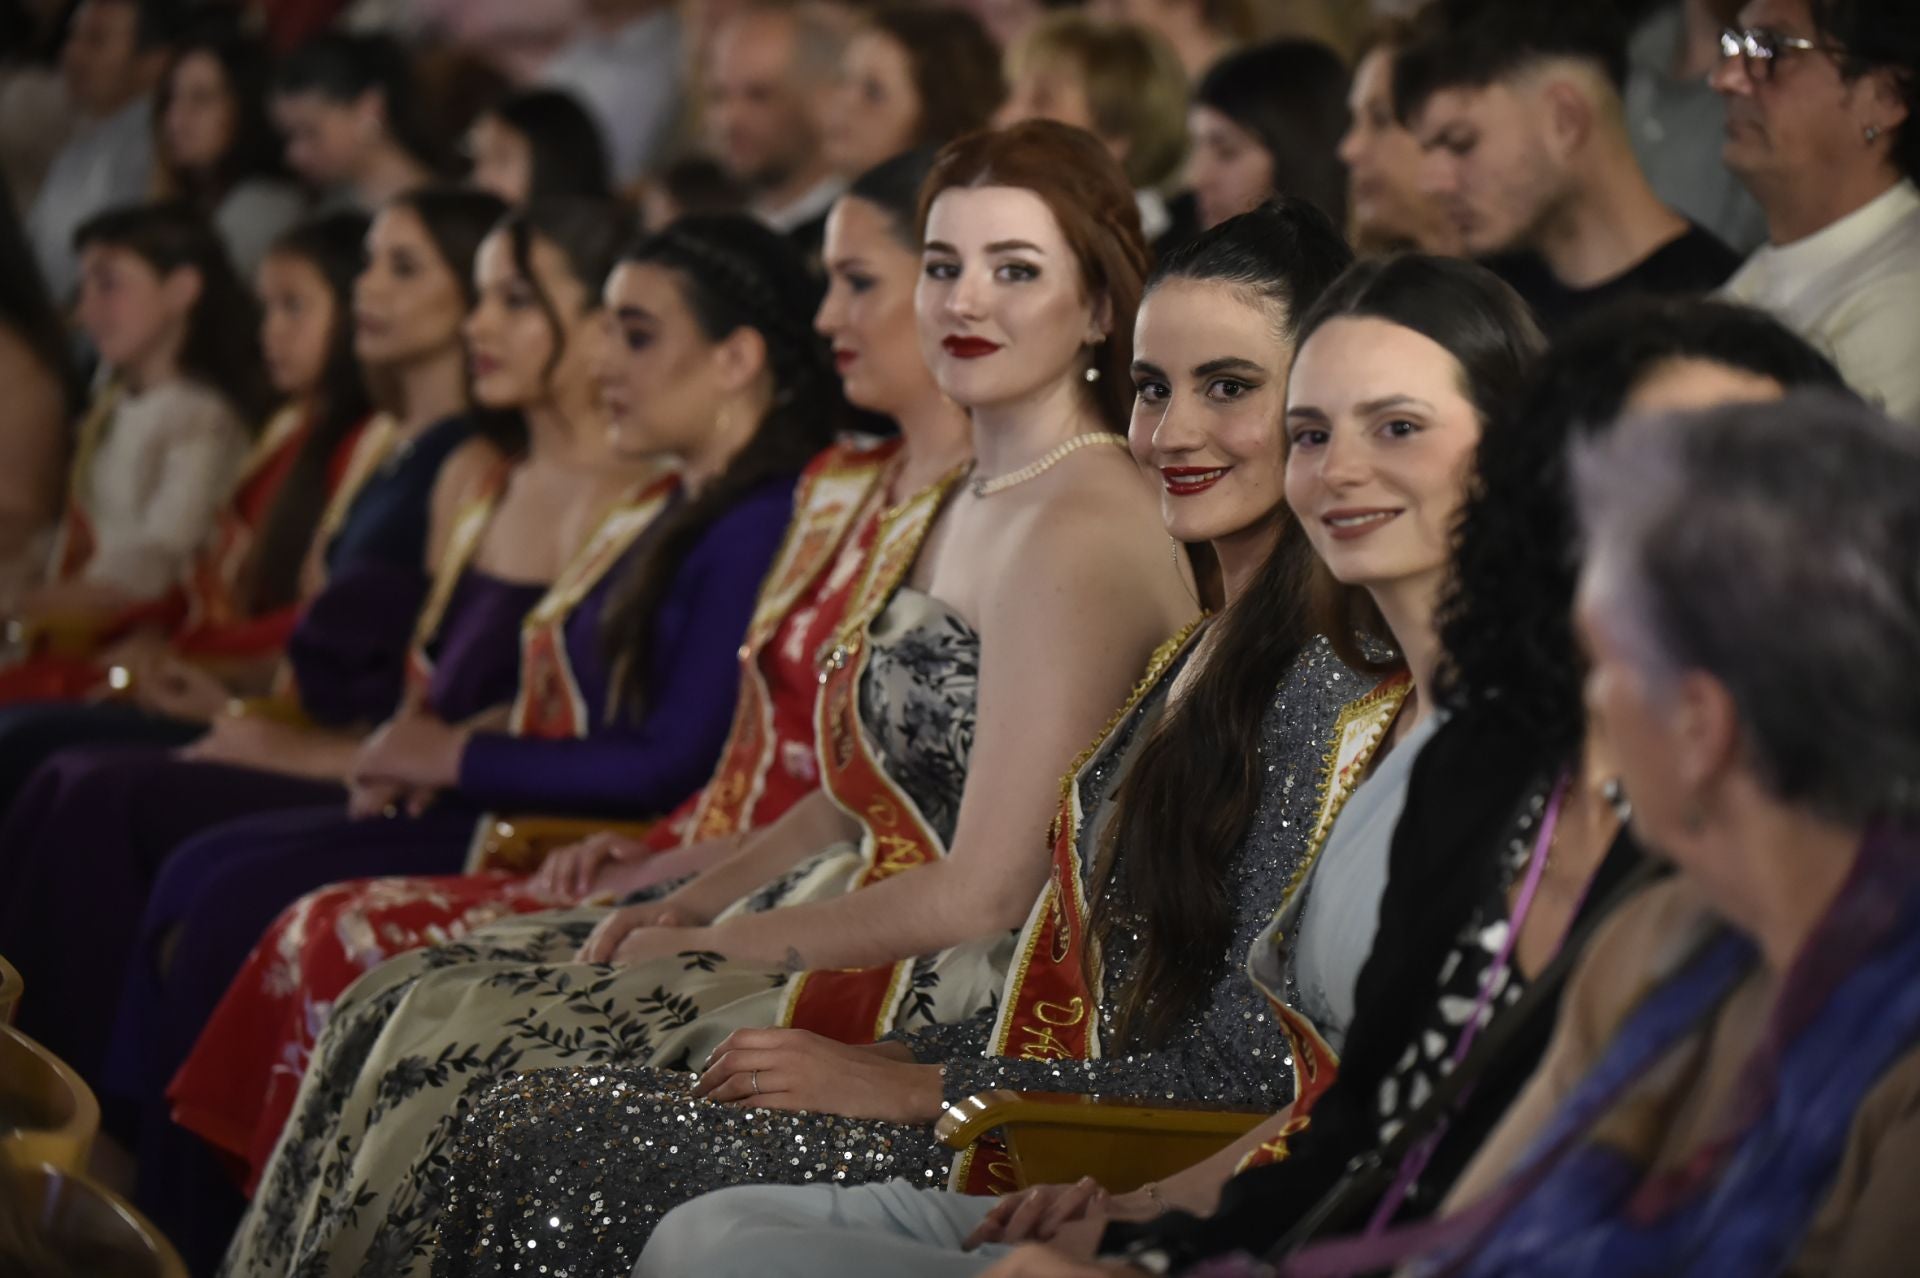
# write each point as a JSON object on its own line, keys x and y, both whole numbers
{"x": 1085, "y": 189}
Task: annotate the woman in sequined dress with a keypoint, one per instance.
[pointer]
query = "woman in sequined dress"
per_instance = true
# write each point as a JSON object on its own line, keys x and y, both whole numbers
{"x": 1399, "y": 369}
{"x": 589, "y": 1146}
{"x": 1044, "y": 588}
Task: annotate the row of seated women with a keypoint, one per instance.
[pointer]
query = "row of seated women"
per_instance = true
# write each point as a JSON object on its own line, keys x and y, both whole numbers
{"x": 1383, "y": 767}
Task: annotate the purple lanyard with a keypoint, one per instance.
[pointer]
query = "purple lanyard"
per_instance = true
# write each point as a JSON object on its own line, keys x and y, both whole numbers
{"x": 1417, "y": 1158}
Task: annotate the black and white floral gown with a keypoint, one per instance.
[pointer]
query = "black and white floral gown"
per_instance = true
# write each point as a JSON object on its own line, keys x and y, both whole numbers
{"x": 356, "y": 1184}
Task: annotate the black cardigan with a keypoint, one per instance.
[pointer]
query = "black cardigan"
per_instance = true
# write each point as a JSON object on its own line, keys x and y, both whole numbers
{"x": 1462, "y": 800}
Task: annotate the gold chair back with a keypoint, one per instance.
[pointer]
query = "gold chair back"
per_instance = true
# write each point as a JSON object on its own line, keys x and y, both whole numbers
{"x": 10, "y": 987}
{"x": 57, "y": 1223}
{"x": 47, "y": 1114}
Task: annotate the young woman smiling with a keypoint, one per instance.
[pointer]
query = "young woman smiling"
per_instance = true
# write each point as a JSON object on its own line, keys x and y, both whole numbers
{"x": 1362, "y": 392}
{"x": 1042, "y": 590}
{"x": 1220, "y": 319}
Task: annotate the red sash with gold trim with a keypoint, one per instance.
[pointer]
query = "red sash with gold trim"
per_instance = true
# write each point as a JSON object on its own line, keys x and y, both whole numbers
{"x": 1357, "y": 736}
{"x": 75, "y": 542}
{"x": 214, "y": 575}
{"x": 549, "y": 704}
{"x": 857, "y": 1005}
{"x": 836, "y": 510}
{"x": 1050, "y": 1010}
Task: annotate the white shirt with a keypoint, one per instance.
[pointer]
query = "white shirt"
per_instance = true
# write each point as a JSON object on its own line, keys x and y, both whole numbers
{"x": 105, "y": 165}
{"x": 1853, "y": 290}
{"x": 163, "y": 467}
{"x": 809, "y": 206}
{"x": 630, "y": 83}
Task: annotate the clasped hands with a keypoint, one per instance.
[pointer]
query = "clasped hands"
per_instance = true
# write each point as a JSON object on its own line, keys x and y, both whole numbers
{"x": 405, "y": 763}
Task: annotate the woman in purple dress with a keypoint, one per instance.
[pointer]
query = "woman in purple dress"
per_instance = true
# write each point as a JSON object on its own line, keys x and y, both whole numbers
{"x": 627, "y": 664}
{"x": 345, "y": 661}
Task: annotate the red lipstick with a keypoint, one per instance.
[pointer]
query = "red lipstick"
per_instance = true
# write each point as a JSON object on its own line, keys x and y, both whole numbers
{"x": 1190, "y": 481}
{"x": 842, "y": 359}
{"x": 969, "y": 347}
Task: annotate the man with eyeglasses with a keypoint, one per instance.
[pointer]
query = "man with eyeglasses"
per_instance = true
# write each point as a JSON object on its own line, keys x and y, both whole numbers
{"x": 1823, "y": 126}
{"x": 1517, "y": 107}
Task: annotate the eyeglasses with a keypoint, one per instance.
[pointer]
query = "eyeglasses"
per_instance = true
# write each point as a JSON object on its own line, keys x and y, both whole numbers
{"x": 1758, "y": 48}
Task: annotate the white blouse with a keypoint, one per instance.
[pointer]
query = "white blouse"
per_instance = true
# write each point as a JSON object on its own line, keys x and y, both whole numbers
{"x": 163, "y": 466}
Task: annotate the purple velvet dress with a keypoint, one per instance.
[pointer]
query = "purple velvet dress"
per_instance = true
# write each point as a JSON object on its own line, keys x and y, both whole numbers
{"x": 220, "y": 891}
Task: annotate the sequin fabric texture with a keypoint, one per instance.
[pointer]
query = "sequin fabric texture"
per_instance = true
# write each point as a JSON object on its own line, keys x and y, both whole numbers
{"x": 566, "y": 1172}
{"x": 358, "y": 1182}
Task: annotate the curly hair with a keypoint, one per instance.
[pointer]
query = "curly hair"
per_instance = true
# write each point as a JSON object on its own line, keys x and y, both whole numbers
{"x": 734, "y": 273}
{"x": 1505, "y": 620}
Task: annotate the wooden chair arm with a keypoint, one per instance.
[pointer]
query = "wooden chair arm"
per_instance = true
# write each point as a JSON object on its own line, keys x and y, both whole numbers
{"x": 53, "y": 1116}
{"x": 10, "y": 987}
{"x": 74, "y": 1215}
{"x": 1123, "y": 1143}
{"x": 518, "y": 844}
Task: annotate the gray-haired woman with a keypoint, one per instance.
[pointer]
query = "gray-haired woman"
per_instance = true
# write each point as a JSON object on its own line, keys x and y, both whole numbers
{"x": 1734, "y": 1085}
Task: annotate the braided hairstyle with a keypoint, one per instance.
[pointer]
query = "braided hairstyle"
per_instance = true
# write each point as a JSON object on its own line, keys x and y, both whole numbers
{"x": 733, "y": 273}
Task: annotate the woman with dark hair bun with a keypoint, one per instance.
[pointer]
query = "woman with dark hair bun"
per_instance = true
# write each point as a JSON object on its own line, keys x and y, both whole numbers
{"x": 1030, "y": 271}
{"x": 347, "y": 106}
{"x": 538, "y": 144}
{"x": 1268, "y": 120}
{"x": 215, "y": 146}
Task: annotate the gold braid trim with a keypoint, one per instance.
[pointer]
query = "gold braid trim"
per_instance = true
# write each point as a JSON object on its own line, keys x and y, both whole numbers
{"x": 1157, "y": 664}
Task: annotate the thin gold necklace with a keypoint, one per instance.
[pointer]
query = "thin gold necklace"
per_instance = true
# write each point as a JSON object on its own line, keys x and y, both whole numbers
{"x": 988, "y": 487}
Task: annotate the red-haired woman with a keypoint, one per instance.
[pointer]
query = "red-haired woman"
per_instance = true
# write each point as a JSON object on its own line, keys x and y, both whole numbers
{"x": 1045, "y": 585}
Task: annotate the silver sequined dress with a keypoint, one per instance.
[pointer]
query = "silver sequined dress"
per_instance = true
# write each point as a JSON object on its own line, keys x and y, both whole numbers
{"x": 356, "y": 1185}
{"x": 566, "y": 1171}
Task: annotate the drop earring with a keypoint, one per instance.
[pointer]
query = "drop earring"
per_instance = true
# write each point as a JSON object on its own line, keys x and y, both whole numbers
{"x": 1616, "y": 798}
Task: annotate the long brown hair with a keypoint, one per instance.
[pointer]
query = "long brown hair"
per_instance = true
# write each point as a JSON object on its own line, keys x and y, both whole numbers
{"x": 1196, "y": 782}
{"x": 1083, "y": 187}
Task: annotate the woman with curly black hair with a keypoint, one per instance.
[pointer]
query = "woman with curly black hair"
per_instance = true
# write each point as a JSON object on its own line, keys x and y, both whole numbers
{"x": 1511, "y": 836}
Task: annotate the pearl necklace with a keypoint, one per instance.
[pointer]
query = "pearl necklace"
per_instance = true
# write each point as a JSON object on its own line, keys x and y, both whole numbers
{"x": 988, "y": 487}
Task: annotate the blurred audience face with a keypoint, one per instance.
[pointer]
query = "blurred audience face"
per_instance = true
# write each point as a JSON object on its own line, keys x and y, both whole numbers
{"x": 1800, "y": 118}
{"x": 1210, "y": 384}
{"x": 407, "y": 304}
{"x": 1230, "y": 170}
{"x": 102, "y": 61}
{"x": 1380, "y": 443}
{"x": 760, "y": 109}
{"x": 875, "y": 110}
{"x": 867, "y": 314}
{"x": 297, "y": 318}
{"x": 1047, "y": 91}
{"x": 200, "y": 120}
{"x": 502, "y": 159}
{"x": 1383, "y": 164}
{"x": 660, "y": 376}
{"x": 1003, "y": 317}
{"x": 327, "y": 140}
{"x": 129, "y": 311}
{"x": 510, "y": 342}
{"x": 1488, "y": 165}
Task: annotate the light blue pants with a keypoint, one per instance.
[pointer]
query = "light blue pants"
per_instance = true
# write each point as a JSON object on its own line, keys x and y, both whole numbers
{"x": 819, "y": 1231}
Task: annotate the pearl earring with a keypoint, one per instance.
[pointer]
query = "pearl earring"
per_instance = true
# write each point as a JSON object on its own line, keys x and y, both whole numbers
{"x": 1093, "y": 374}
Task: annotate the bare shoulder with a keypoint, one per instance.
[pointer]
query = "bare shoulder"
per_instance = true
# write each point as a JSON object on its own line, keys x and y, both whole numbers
{"x": 462, "y": 476}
